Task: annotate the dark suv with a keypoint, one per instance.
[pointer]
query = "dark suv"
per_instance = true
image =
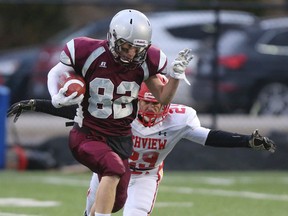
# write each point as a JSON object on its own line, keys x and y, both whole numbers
{"x": 252, "y": 75}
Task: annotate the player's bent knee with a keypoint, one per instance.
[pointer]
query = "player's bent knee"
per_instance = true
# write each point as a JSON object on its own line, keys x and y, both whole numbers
{"x": 113, "y": 164}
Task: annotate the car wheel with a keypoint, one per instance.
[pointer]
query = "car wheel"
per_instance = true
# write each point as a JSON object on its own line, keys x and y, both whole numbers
{"x": 272, "y": 99}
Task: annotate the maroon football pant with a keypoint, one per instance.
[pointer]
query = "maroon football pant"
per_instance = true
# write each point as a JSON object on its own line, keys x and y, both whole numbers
{"x": 95, "y": 153}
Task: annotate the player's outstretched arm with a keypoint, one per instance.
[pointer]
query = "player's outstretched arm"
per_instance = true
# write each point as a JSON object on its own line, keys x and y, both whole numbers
{"x": 40, "y": 105}
{"x": 17, "y": 108}
{"x": 218, "y": 138}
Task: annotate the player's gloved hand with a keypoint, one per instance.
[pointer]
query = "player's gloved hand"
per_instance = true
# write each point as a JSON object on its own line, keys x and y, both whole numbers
{"x": 60, "y": 99}
{"x": 261, "y": 143}
{"x": 19, "y": 107}
{"x": 180, "y": 64}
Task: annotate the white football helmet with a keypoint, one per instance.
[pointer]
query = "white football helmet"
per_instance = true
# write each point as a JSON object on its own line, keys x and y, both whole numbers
{"x": 133, "y": 27}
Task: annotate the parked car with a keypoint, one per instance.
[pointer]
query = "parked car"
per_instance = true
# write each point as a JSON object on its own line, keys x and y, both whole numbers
{"x": 16, "y": 67}
{"x": 252, "y": 75}
{"x": 172, "y": 32}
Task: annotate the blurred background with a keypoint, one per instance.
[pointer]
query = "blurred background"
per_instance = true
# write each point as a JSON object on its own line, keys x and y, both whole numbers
{"x": 239, "y": 74}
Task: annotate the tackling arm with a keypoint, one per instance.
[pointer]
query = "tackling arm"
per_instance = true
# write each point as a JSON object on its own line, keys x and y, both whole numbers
{"x": 40, "y": 105}
{"x": 218, "y": 138}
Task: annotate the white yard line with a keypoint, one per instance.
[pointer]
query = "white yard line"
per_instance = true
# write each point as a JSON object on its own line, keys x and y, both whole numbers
{"x": 173, "y": 204}
{"x": 227, "y": 193}
{"x": 26, "y": 202}
{"x": 217, "y": 180}
{"x": 55, "y": 180}
{"x": 65, "y": 181}
{"x": 13, "y": 214}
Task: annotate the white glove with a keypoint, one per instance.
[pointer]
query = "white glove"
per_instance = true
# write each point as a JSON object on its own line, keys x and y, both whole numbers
{"x": 60, "y": 99}
{"x": 180, "y": 64}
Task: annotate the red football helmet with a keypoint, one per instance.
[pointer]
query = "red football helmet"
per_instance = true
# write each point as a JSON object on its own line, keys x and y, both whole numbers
{"x": 149, "y": 118}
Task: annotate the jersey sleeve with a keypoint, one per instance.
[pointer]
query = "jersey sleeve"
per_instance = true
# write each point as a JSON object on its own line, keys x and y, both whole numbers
{"x": 194, "y": 131}
{"x": 156, "y": 61}
{"x": 77, "y": 51}
{"x": 66, "y": 56}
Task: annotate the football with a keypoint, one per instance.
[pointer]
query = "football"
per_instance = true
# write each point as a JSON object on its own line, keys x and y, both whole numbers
{"x": 74, "y": 82}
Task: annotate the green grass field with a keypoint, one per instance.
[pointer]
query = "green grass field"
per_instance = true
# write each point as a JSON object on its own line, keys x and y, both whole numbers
{"x": 181, "y": 193}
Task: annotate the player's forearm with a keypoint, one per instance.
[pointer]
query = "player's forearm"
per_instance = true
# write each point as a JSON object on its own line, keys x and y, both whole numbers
{"x": 54, "y": 75}
{"x": 218, "y": 138}
{"x": 169, "y": 91}
{"x": 46, "y": 106}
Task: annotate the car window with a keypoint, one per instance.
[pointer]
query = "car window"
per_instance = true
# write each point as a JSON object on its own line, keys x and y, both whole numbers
{"x": 97, "y": 29}
{"x": 280, "y": 39}
{"x": 196, "y": 32}
{"x": 231, "y": 41}
{"x": 200, "y": 32}
{"x": 274, "y": 43}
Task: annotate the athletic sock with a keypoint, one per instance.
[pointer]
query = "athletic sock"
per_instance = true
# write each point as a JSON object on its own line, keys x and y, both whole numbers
{"x": 98, "y": 214}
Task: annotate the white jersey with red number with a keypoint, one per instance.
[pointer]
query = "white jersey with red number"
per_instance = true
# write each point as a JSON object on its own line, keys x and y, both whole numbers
{"x": 151, "y": 146}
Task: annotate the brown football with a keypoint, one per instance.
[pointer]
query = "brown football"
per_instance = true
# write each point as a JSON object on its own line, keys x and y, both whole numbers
{"x": 74, "y": 82}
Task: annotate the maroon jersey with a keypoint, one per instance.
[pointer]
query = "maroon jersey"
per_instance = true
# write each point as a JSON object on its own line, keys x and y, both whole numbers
{"x": 110, "y": 102}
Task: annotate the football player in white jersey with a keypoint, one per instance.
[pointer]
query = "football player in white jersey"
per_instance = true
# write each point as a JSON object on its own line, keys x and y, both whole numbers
{"x": 156, "y": 131}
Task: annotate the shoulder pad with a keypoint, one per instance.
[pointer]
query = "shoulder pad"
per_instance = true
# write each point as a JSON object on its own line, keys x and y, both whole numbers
{"x": 65, "y": 59}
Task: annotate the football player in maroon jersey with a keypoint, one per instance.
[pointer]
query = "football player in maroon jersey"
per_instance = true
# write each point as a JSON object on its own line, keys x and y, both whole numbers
{"x": 113, "y": 70}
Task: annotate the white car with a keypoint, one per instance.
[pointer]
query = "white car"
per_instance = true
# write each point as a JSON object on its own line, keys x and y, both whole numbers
{"x": 176, "y": 30}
